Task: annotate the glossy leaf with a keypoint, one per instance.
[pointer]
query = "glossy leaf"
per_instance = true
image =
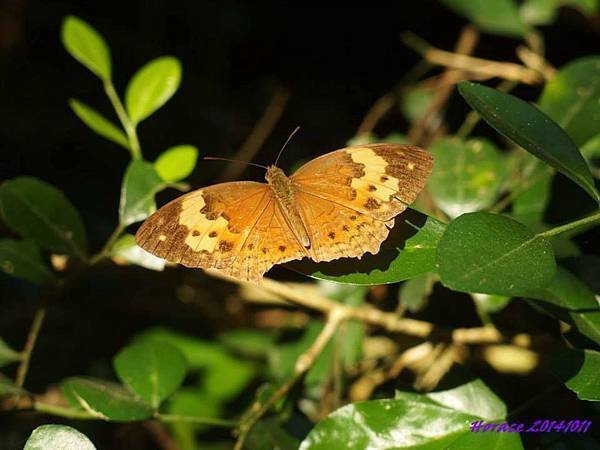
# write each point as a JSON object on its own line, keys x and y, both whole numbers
{"x": 579, "y": 371}
{"x": 140, "y": 184}
{"x": 467, "y": 175}
{"x": 106, "y": 400}
{"x": 570, "y": 98}
{"x": 591, "y": 153}
{"x": 152, "y": 369}
{"x": 408, "y": 251}
{"x": 493, "y": 254}
{"x": 414, "y": 292}
{"x": 580, "y": 306}
{"x": 126, "y": 249}
{"x": 401, "y": 423}
{"x": 22, "y": 259}
{"x": 7, "y": 354}
{"x": 151, "y": 87}
{"x": 530, "y": 128}
{"x": 98, "y": 123}
{"x": 38, "y": 211}
{"x": 176, "y": 163}
{"x": 61, "y": 437}
{"x": 87, "y": 46}
{"x": 494, "y": 16}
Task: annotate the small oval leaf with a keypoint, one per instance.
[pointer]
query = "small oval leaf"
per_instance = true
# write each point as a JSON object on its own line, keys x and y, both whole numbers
{"x": 61, "y": 437}
{"x": 106, "y": 400}
{"x": 22, "y": 259}
{"x": 494, "y": 16}
{"x": 408, "y": 251}
{"x": 151, "y": 87}
{"x": 140, "y": 184}
{"x": 530, "y": 128}
{"x": 98, "y": 123}
{"x": 87, "y": 46}
{"x": 176, "y": 163}
{"x": 579, "y": 371}
{"x": 152, "y": 369}
{"x": 467, "y": 175}
{"x": 40, "y": 212}
{"x": 493, "y": 254}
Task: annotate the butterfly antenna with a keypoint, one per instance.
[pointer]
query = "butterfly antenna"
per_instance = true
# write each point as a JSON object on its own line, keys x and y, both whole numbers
{"x": 286, "y": 143}
{"x": 215, "y": 158}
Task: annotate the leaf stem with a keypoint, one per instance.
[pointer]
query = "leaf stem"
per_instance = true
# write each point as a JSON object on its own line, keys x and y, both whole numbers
{"x": 589, "y": 220}
{"x": 128, "y": 126}
{"x": 108, "y": 245}
{"x": 169, "y": 418}
{"x": 34, "y": 331}
{"x": 62, "y": 411}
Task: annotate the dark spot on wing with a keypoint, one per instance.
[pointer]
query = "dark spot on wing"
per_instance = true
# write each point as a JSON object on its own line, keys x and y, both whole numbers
{"x": 282, "y": 248}
{"x": 372, "y": 188}
{"x": 225, "y": 246}
{"x": 331, "y": 235}
{"x": 372, "y": 203}
{"x": 212, "y": 234}
{"x": 195, "y": 233}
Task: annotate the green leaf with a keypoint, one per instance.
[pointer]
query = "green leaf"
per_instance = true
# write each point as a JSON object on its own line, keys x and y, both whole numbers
{"x": 400, "y": 423}
{"x": 414, "y": 292}
{"x": 591, "y": 153}
{"x": 38, "y": 211}
{"x": 569, "y": 293}
{"x": 176, "y": 163}
{"x": 47, "y": 437}
{"x": 126, "y": 248}
{"x": 570, "y": 98}
{"x": 408, "y": 251}
{"x": 490, "y": 303}
{"x": 151, "y": 87}
{"x": 7, "y": 354}
{"x": 8, "y": 388}
{"x": 416, "y": 101}
{"x": 248, "y": 341}
{"x": 269, "y": 434}
{"x": 106, "y": 400}
{"x": 140, "y": 184}
{"x": 493, "y": 254}
{"x": 579, "y": 371}
{"x": 530, "y": 128}
{"x": 467, "y": 175}
{"x": 529, "y": 206}
{"x": 152, "y": 369}
{"x": 191, "y": 402}
{"x": 98, "y": 123}
{"x": 545, "y": 12}
{"x": 87, "y": 46}
{"x": 22, "y": 259}
{"x": 494, "y": 16}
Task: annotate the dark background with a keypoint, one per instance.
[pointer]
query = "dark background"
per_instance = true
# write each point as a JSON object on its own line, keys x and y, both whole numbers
{"x": 335, "y": 61}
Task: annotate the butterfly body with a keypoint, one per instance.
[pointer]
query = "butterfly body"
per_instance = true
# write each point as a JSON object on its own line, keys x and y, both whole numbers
{"x": 341, "y": 204}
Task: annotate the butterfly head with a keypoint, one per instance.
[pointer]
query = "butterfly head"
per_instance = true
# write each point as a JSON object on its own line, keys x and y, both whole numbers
{"x": 275, "y": 175}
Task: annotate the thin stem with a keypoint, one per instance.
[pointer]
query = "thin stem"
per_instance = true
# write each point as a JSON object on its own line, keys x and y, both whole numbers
{"x": 62, "y": 411}
{"x": 589, "y": 220}
{"x": 34, "y": 331}
{"x": 175, "y": 418}
{"x": 108, "y": 245}
{"x": 128, "y": 126}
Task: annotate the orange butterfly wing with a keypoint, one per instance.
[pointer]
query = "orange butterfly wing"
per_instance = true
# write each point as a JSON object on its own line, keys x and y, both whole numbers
{"x": 234, "y": 227}
{"x": 348, "y": 198}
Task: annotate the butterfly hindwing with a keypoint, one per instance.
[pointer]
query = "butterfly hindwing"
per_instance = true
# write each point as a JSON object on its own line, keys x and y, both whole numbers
{"x": 378, "y": 180}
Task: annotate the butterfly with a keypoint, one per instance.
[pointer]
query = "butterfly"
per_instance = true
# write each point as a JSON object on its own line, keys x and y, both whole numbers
{"x": 339, "y": 205}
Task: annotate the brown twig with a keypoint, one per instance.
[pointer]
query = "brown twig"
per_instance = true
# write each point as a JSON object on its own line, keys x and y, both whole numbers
{"x": 379, "y": 109}
{"x": 259, "y": 134}
{"x": 466, "y": 44}
{"x": 479, "y": 66}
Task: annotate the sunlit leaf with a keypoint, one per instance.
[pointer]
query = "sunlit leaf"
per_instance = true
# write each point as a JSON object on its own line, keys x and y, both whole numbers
{"x": 152, "y": 369}
{"x": 87, "y": 46}
{"x": 7, "y": 354}
{"x": 140, "y": 184}
{"x": 531, "y": 129}
{"x": 151, "y": 87}
{"x": 494, "y": 16}
{"x": 176, "y": 163}
{"x": 467, "y": 175}
{"x": 106, "y": 400}
{"x": 61, "y": 437}
{"x": 408, "y": 251}
{"x": 127, "y": 249}
{"x": 490, "y": 303}
{"x": 494, "y": 254}
{"x": 38, "y": 211}
{"x": 22, "y": 259}
{"x": 570, "y": 98}
{"x": 579, "y": 371}
{"x": 98, "y": 123}
{"x": 400, "y": 423}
